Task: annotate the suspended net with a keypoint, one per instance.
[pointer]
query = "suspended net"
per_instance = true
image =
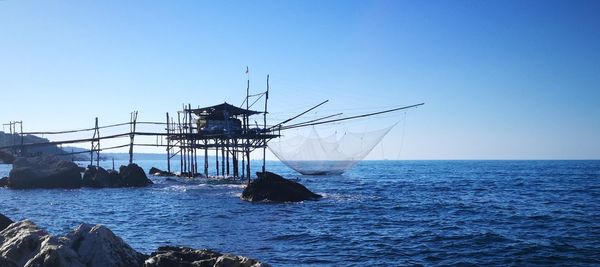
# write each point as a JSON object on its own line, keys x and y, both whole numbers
{"x": 320, "y": 154}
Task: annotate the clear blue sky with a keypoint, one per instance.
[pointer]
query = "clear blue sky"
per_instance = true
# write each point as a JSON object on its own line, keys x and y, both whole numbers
{"x": 501, "y": 79}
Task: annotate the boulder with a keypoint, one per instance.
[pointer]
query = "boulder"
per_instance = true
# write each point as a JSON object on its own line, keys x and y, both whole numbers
{"x": 88, "y": 176}
{"x": 98, "y": 177}
{"x": 97, "y": 245}
{"x": 158, "y": 172}
{"x": 25, "y": 244}
{"x": 44, "y": 172}
{"x": 4, "y": 262}
{"x": 134, "y": 176}
{"x": 4, "y": 222}
{"x": 183, "y": 257}
{"x": 54, "y": 252}
{"x": 229, "y": 260}
{"x": 154, "y": 170}
{"x": 272, "y": 187}
{"x": 4, "y": 182}
{"x": 6, "y": 157}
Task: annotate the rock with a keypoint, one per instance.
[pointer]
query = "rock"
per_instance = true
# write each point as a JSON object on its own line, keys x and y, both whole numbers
{"x": 237, "y": 261}
{"x": 154, "y": 170}
{"x": 98, "y": 177}
{"x": 4, "y": 182}
{"x": 6, "y": 157}
{"x": 158, "y": 172}
{"x": 54, "y": 252}
{"x": 88, "y": 176}
{"x": 131, "y": 175}
{"x": 4, "y": 262}
{"x": 97, "y": 245}
{"x": 44, "y": 172}
{"x": 272, "y": 187}
{"x": 134, "y": 176}
{"x": 183, "y": 257}
{"x": 4, "y": 222}
{"x": 25, "y": 244}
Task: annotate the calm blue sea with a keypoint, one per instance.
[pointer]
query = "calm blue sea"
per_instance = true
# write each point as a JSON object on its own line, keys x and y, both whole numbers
{"x": 386, "y": 213}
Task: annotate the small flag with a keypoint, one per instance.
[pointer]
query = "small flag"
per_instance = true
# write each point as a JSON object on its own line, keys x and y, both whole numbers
{"x": 247, "y": 70}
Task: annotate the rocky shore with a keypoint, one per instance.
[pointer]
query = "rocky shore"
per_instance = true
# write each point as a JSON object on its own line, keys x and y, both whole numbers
{"x": 51, "y": 172}
{"x": 23, "y": 243}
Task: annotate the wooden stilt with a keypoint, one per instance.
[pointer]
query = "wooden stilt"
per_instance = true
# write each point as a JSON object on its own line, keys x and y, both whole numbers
{"x": 168, "y": 145}
{"x": 222, "y": 160}
{"x": 227, "y": 155}
{"x": 205, "y": 161}
{"x": 217, "y": 156}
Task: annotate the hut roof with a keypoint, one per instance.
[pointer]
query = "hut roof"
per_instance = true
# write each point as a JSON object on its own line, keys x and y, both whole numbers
{"x": 222, "y": 108}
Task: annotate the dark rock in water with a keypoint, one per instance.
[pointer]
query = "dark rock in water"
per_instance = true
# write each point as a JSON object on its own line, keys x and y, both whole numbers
{"x": 97, "y": 245}
{"x": 272, "y": 187}
{"x": 88, "y": 176}
{"x": 129, "y": 176}
{"x": 98, "y": 177}
{"x": 169, "y": 256}
{"x": 4, "y": 182}
{"x": 154, "y": 170}
{"x": 158, "y": 172}
{"x": 44, "y": 172}
{"x": 6, "y": 157}
{"x": 133, "y": 175}
{"x": 4, "y": 222}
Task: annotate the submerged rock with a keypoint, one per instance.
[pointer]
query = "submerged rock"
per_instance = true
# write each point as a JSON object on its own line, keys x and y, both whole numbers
{"x": 133, "y": 175}
{"x": 97, "y": 245}
{"x": 4, "y": 182}
{"x": 183, "y": 256}
{"x": 272, "y": 187}
{"x": 44, "y": 172}
{"x": 4, "y": 222}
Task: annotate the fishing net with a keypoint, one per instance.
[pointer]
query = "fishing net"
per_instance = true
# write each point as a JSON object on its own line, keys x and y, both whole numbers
{"x": 321, "y": 154}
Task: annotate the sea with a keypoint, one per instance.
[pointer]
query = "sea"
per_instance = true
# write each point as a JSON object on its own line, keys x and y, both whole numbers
{"x": 380, "y": 213}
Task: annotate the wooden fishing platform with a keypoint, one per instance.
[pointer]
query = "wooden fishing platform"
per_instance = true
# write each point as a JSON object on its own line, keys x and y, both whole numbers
{"x": 224, "y": 130}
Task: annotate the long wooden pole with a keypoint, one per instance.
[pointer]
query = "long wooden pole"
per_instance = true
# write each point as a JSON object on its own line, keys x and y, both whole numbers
{"x": 352, "y": 117}
{"x": 265, "y": 127}
{"x": 98, "y": 144}
{"x": 22, "y": 140}
{"x": 132, "y": 135}
{"x": 295, "y": 117}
